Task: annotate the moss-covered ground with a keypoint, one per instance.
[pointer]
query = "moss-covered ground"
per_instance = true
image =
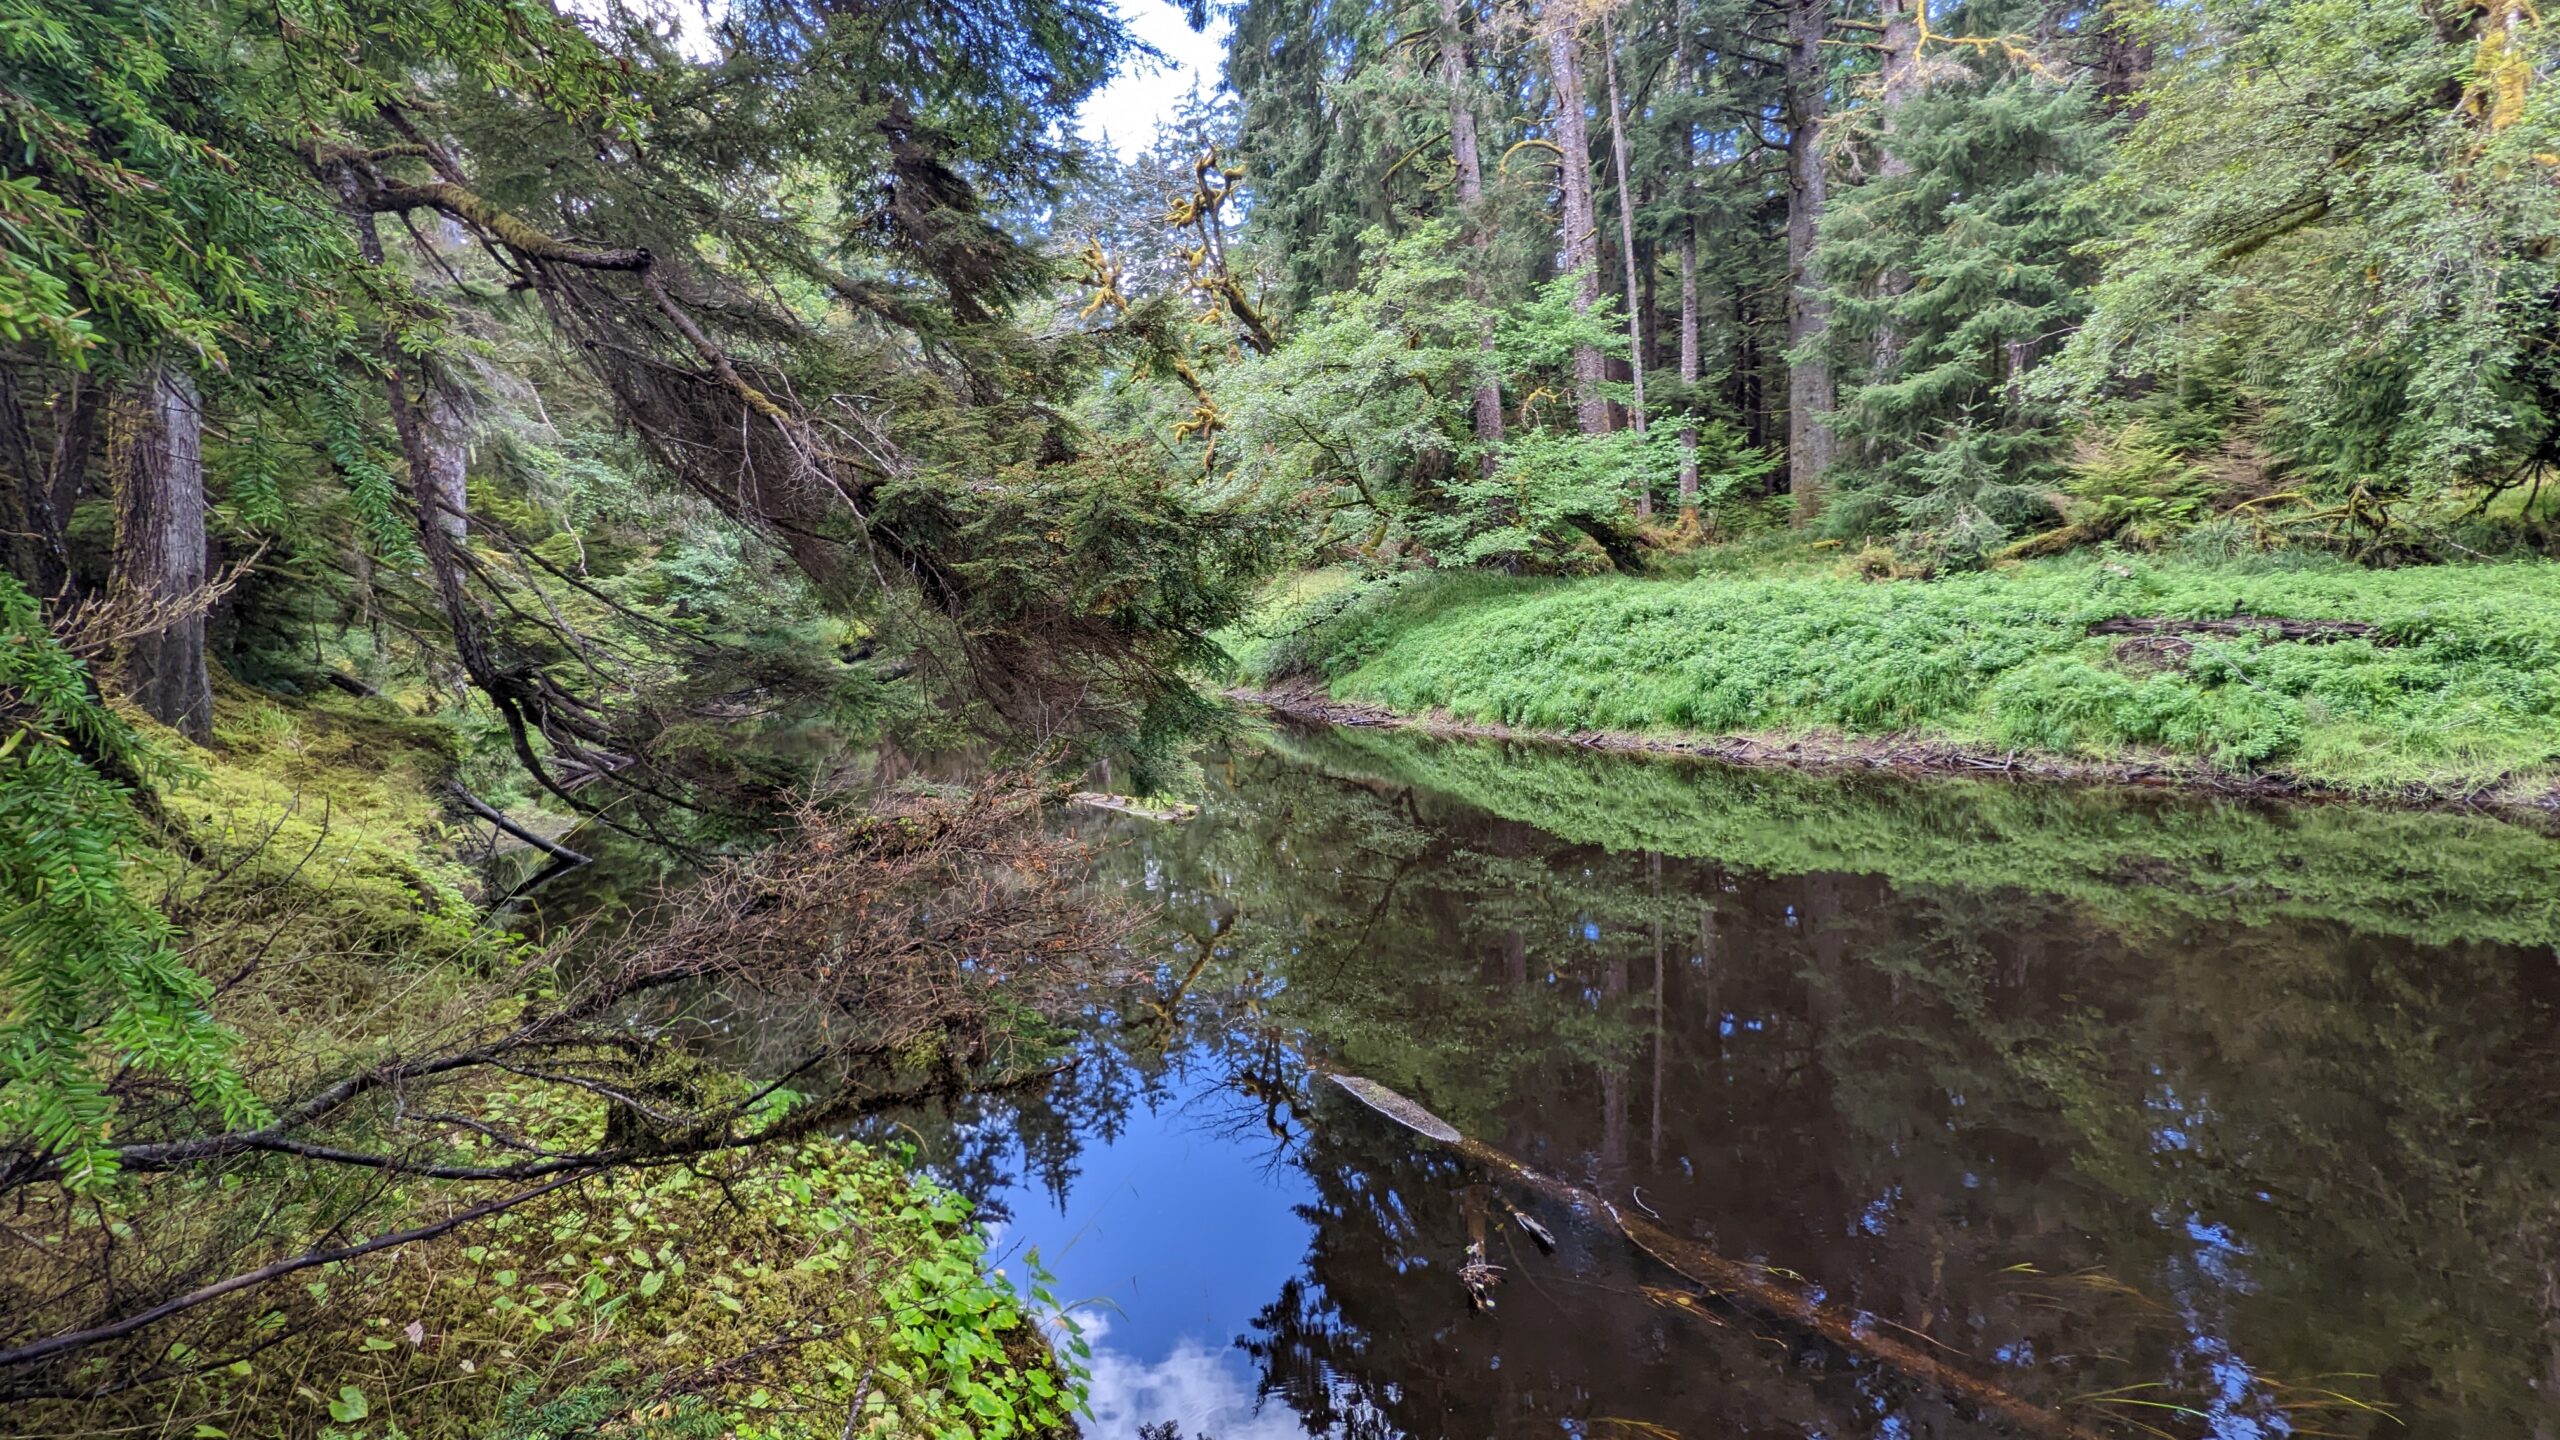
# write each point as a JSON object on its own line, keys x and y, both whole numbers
{"x": 2455, "y": 691}
{"x": 816, "y": 1289}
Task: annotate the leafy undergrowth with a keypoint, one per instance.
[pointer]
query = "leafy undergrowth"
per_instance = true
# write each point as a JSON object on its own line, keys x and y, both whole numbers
{"x": 2458, "y": 690}
{"x": 817, "y": 1289}
{"x": 813, "y": 1289}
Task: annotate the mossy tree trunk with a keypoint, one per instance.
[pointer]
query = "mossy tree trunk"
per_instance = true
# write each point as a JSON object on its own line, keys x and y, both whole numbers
{"x": 444, "y": 433}
{"x": 1636, "y": 308}
{"x": 1467, "y": 155}
{"x": 158, "y": 575}
{"x": 1687, "y": 61}
{"x": 48, "y": 431}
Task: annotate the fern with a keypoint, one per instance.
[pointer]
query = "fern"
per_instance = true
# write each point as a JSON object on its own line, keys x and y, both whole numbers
{"x": 90, "y": 982}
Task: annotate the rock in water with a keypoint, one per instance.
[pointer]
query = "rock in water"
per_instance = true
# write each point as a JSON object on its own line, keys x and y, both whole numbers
{"x": 1397, "y": 1108}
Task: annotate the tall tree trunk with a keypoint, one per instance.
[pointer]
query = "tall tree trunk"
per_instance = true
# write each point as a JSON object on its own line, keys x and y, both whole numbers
{"x": 155, "y": 442}
{"x": 1899, "y": 69}
{"x": 2122, "y": 63}
{"x": 1650, "y": 272}
{"x": 1626, "y": 243}
{"x": 1468, "y": 155}
{"x": 1581, "y": 228}
{"x": 1688, "y": 63}
{"x": 444, "y": 415}
{"x": 1810, "y": 395}
{"x": 443, "y": 434}
{"x": 1689, "y": 369}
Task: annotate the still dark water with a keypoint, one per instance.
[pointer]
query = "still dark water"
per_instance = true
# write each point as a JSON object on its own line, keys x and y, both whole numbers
{"x": 2152, "y": 1117}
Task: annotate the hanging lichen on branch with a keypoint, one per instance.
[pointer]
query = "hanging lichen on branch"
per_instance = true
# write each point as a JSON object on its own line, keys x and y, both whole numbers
{"x": 1203, "y": 212}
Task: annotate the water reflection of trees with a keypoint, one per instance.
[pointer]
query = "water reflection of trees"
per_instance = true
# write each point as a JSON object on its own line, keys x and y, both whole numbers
{"x": 2269, "y": 1166}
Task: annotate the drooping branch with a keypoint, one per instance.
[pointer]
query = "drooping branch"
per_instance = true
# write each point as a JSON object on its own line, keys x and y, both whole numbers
{"x": 498, "y": 817}
{"x": 699, "y": 367}
{"x": 879, "y": 937}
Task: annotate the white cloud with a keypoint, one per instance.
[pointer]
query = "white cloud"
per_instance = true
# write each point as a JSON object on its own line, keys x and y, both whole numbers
{"x": 1204, "y": 1391}
{"x": 690, "y": 21}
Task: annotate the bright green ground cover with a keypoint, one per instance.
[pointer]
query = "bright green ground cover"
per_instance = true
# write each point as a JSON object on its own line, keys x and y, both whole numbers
{"x": 2464, "y": 694}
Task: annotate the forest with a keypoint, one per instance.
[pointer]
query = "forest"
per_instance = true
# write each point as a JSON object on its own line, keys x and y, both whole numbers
{"x": 578, "y": 573}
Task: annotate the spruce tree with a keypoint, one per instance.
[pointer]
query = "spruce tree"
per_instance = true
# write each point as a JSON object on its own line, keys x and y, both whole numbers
{"x": 1967, "y": 253}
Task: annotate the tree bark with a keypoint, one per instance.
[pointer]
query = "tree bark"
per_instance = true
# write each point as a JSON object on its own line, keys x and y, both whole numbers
{"x": 1580, "y": 227}
{"x": 1467, "y": 153}
{"x": 443, "y": 434}
{"x": 2122, "y": 63}
{"x": 1899, "y": 70}
{"x": 38, "y": 551}
{"x": 1900, "y": 73}
{"x": 155, "y": 444}
{"x": 1688, "y": 63}
{"x": 1810, "y": 394}
{"x": 1627, "y": 244}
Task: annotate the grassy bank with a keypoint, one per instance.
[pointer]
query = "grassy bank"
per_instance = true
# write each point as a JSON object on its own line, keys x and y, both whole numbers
{"x": 814, "y": 1288}
{"x": 2455, "y": 689}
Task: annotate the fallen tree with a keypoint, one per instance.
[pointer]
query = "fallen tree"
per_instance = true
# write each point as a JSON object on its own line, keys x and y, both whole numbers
{"x": 1794, "y": 1302}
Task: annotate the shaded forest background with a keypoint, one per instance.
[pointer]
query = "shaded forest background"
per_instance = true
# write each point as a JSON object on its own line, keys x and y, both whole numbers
{"x": 1979, "y": 281}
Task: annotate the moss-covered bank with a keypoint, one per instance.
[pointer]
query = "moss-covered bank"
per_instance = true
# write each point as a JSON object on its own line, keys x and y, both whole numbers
{"x": 815, "y": 1288}
{"x": 2437, "y": 682}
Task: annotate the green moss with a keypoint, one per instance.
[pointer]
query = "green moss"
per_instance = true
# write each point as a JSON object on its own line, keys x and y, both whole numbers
{"x": 2460, "y": 690}
{"x": 309, "y": 862}
{"x": 309, "y": 854}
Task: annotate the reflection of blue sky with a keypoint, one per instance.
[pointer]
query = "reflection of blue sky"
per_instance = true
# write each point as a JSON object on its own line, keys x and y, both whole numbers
{"x": 1169, "y": 1240}
{"x": 1205, "y": 1389}
{"x": 2235, "y": 1405}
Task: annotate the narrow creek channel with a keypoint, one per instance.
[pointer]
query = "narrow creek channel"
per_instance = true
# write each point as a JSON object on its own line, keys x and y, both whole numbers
{"x": 2151, "y": 1116}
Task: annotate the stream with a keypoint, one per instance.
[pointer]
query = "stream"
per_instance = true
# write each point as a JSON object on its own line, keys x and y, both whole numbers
{"x": 2147, "y": 1115}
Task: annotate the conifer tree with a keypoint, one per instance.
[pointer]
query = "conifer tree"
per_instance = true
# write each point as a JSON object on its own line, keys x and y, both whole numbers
{"x": 1949, "y": 278}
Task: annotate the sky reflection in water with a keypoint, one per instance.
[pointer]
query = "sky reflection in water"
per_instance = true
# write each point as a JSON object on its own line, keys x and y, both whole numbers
{"x": 2235, "y": 1122}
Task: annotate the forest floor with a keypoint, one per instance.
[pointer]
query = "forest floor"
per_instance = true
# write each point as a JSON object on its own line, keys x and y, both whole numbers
{"x": 804, "y": 1289}
{"x": 2278, "y": 675}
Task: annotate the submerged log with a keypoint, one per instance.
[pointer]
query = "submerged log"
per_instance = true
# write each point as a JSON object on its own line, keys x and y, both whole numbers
{"x": 1397, "y": 1108}
{"x": 1793, "y": 1302}
{"x": 1173, "y": 813}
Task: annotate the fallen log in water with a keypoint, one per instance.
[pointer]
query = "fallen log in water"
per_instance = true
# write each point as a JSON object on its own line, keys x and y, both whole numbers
{"x": 1171, "y": 813}
{"x": 1397, "y": 1108}
{"x": 1790, "y": 1301}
